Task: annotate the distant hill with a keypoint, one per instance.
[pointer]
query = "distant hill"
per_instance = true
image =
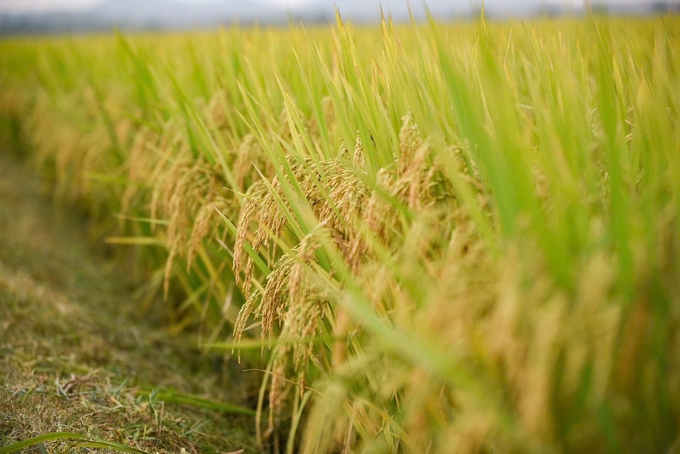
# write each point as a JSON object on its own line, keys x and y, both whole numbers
{"x": 144, "y": 14}
{"x": 176, "y": 15}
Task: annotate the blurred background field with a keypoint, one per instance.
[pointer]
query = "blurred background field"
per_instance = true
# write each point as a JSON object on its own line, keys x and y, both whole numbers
{"x": 427, "y": 238}
{"x": 41, "y": 16}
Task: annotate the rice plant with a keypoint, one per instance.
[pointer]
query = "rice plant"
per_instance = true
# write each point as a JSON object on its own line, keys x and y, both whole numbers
{"x": 432, "y": 237}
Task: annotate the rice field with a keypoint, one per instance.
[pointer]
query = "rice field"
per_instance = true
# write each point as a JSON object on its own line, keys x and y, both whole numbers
{"x": 426, "y": 238}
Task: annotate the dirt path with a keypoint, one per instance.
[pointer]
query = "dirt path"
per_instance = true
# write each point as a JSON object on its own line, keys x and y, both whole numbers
{"x": 73, "y": 356}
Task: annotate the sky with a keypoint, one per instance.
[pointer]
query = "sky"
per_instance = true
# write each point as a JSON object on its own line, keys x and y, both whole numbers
{"x": 40, "y": 6}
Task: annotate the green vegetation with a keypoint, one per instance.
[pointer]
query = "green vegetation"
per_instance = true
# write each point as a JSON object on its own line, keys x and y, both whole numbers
{"x": 433, "y": 238}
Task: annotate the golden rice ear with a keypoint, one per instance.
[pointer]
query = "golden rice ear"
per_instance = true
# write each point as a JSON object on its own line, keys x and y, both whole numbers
{"x": 359, "y": 159}
{"x": 250, "y": 212}
{"x": 204, "y": 228}
{"x": 250, "y": 160}
{"x": 140, "y": 167}
{"x": 186, "y": 196}
{"x": 343, "y": 152}
{"x": 409, "y": 142}
{"x": 244, "y": 313}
